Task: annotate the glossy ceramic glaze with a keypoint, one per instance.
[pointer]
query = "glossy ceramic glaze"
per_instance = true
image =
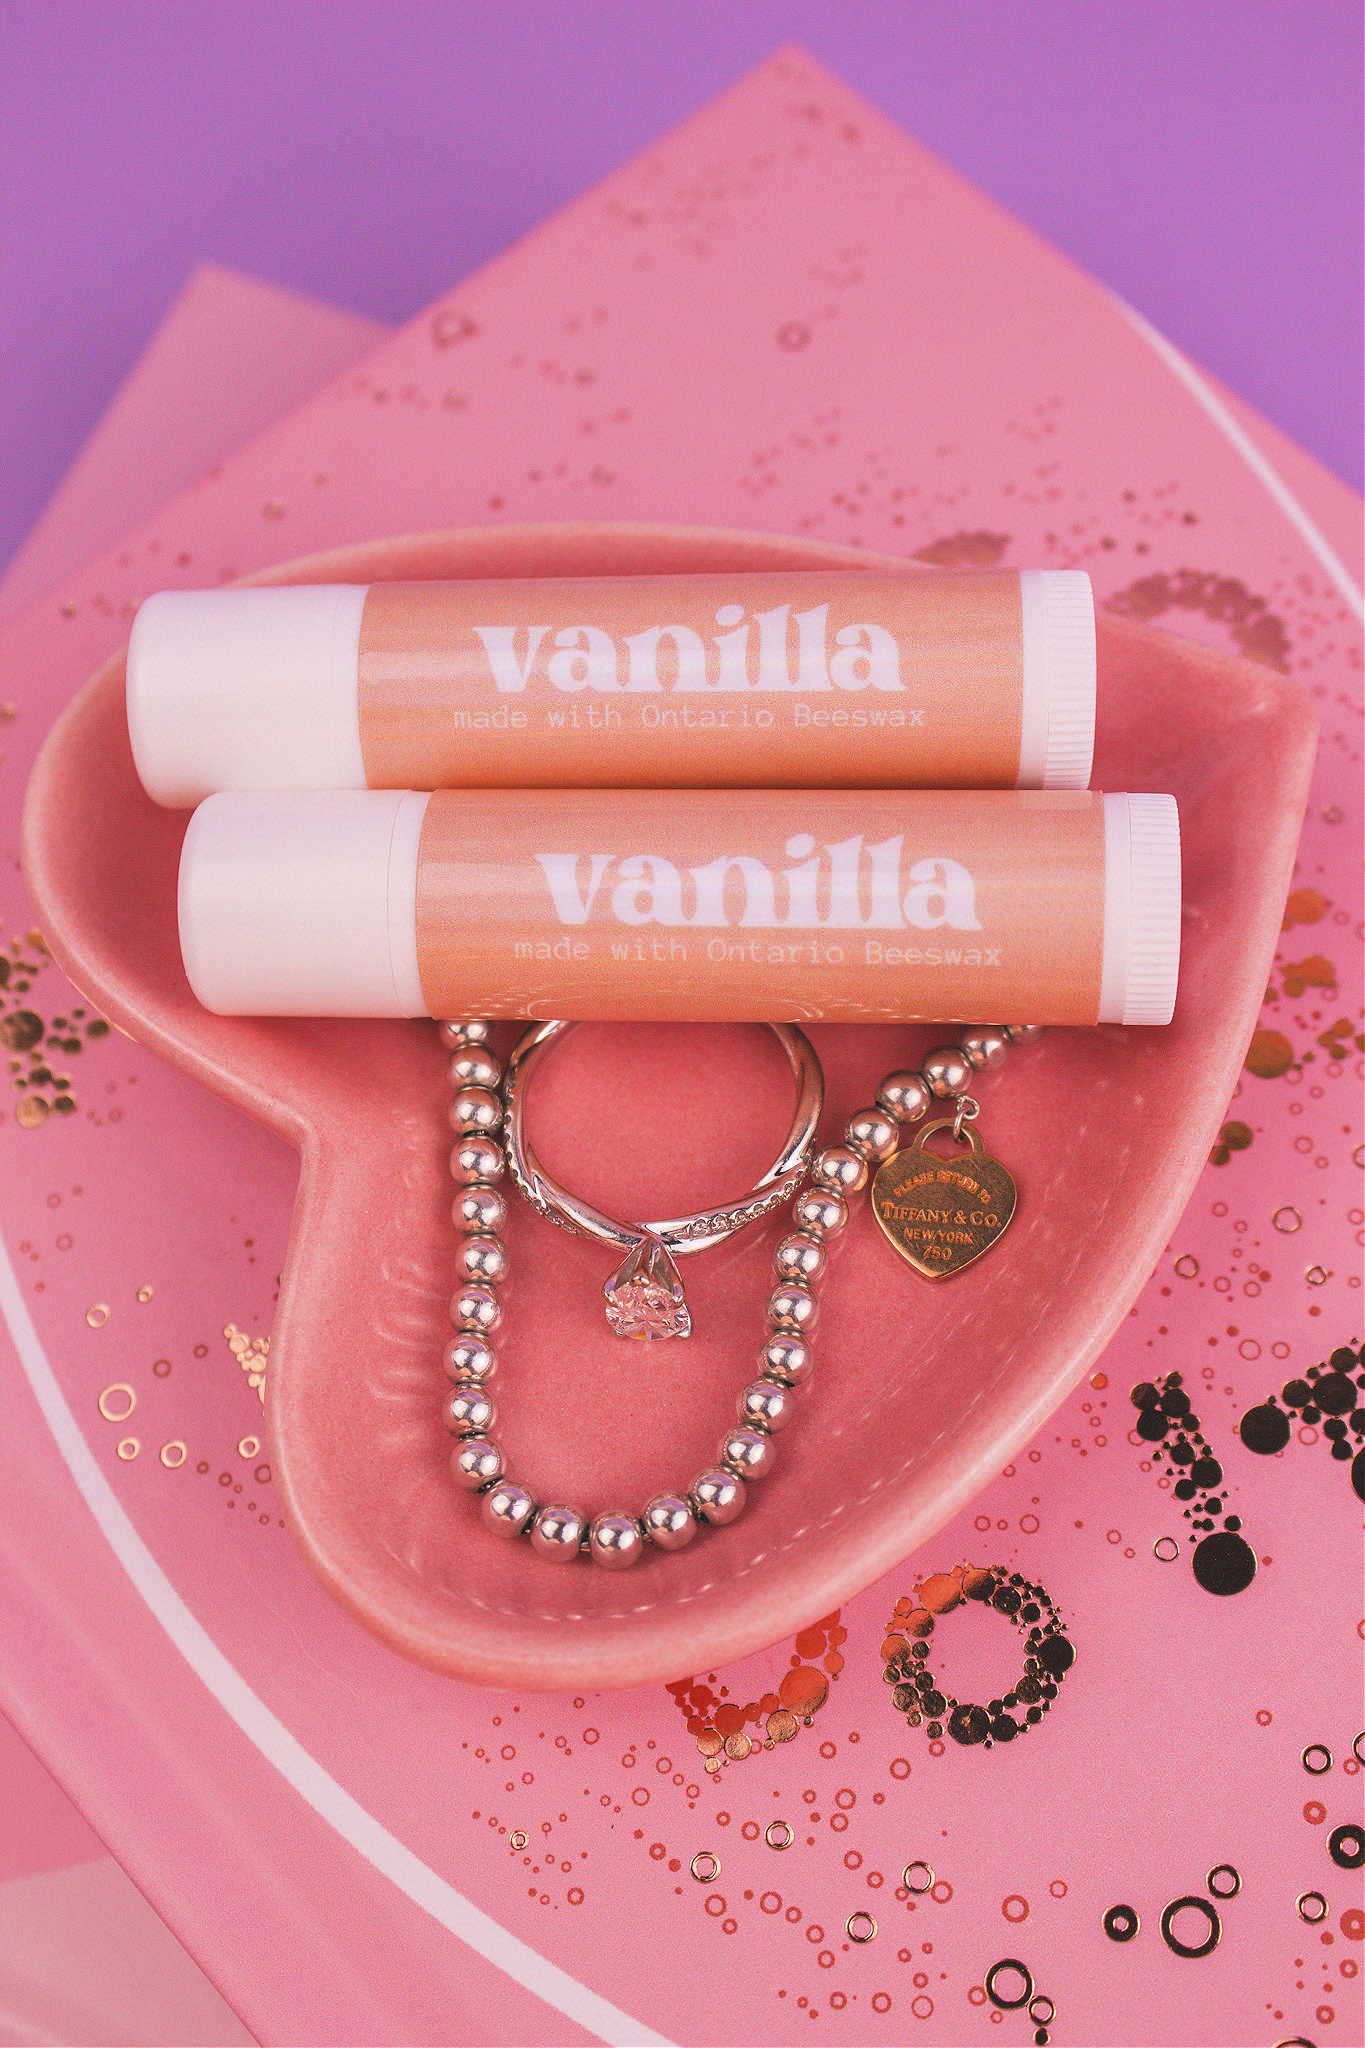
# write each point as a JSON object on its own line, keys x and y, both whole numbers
{"x": 922, "y": 1392}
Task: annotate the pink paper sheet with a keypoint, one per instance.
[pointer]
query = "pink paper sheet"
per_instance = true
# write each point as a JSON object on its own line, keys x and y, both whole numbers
{"x": 258, "y": 350}
{"x": 785, "y": 316}
{"x": 232, "y": 354}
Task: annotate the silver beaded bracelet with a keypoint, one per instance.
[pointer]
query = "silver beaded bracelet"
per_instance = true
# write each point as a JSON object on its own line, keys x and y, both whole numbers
{"x": 479, "y": 1160}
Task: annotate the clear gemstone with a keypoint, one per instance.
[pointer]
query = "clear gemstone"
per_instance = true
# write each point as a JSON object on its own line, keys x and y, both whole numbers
{"x": 645, "y": 1297}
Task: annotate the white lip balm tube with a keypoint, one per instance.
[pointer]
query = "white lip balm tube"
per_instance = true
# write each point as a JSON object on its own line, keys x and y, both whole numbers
{"x": 958, "y": 679}
{"x": 727, "y": 905}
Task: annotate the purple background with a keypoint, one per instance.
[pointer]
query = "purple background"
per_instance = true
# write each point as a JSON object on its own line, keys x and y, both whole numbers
{"x": 1201, "y": 156}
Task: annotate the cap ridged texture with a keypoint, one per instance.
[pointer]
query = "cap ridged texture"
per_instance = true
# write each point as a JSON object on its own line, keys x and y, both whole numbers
{"x": 1069, "y": 643}
{"x": 1154, "y": 898}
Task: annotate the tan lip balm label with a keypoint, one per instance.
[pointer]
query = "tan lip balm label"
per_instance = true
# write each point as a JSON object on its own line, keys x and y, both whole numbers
{"x": 753, "y": 681}
{"x": 733, "y": 905}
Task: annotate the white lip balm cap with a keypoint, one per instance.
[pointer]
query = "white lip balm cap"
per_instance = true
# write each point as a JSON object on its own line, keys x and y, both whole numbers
{"x": 246, "y": 689}
{"x": 1142, "y": 901}
{"x": 1057, "y": 722}
{"x": 303, "y": 905}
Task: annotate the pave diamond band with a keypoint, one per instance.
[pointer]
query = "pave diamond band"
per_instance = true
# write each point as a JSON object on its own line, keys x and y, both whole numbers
{"x": 678, "y": 1234}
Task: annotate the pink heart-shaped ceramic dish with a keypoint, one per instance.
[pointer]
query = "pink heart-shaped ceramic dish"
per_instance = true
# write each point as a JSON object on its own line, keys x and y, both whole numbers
{"x": 921, "y": 1392}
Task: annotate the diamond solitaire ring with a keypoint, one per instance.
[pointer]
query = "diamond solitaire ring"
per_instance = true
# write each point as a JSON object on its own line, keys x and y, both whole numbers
{"x": 644, "y": 1296}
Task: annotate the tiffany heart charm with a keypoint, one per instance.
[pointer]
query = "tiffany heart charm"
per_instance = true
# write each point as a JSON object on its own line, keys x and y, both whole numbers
{"x": 941, "y": 1212}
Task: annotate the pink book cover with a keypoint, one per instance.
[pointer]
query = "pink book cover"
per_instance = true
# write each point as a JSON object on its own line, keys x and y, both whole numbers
{"x": 82, "y": 1955}
{"x": 785, "y": 316}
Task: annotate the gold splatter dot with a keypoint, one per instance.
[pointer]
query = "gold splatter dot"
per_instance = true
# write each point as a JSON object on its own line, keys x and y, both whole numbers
{"x": 173, "y": 1455}
{"x": 1287, "y": 1219}
{"x": 1304, "y": 906}
{"x": 128, "y": 1448}
{"x": 249, "y": 1447}
{"x": 1315, "y": 972}
{"x": 517, "y": 1840}
{"x": 31, "y": 1112}
{"x": 449, "y": 325}
{"x": 1316, "y": 1276}
{"x": 1187, "y": 1265}
{"x": 1269, "y": 1055}
{"x": 21, "y": 1030}
{"x": 145, "y": 1292}
{"x": 965, "y": 550}
{"x": 117, "y": 1402}
{"x": 803, "y": 1691}
{"x": 1254, "y": 629}
{"x": 251, "y": 1353}
{"x": 1234, "y": 1137}
{"x": 97, "y": 1316}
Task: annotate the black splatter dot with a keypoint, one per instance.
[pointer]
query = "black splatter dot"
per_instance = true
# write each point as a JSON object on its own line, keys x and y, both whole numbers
{"x": 1346, "y": 1846}
{"x": 1335, "y": 1394}
{"x": 1056, "y": 1654}
{"x": 1224, "y": 1563}
{"x": 969, "y": 1725}
{"x": 1265, "y": 1429}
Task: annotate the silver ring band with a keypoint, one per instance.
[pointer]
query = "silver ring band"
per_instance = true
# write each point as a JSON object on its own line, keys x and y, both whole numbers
{"x": 695, "y": 1233}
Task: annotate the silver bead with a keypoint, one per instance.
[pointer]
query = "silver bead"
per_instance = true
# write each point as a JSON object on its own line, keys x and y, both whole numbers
{"x": 473, "y": 1066}
{"x": 1023, "y": 1034}
{"x": 615, "y": 1541}
{"x": 871, "y": 1132}
{"x": 840, "y": 1169}
{"x": 819, "y": 1212}
{"x": 468, "y": 1357}
{"x": 507, "y": 1508}
{"x": 475, "y": 1109}
{"x": 558, "y": 1533}
{"x": 791, "y": 1307}
{"x": 481, "y": 1259}
{"x": 946, "y": 1071}
{"x": 475, "y": 1308}
{"x": 904, "y": 1096}
{"x": 749, "y": 1452}
{"x": 465, "y": 1031}
{"x": 799, "y": 1258}
{"x": 476, "y": 1158}
{"x": 984, "y": 1046}
{"x": 669, "y": 1522}
{"x": 717, "y": 1497}
{"x": 478, "y": 1208}
{"x": 468, "y": 1411}
{"x": 476, "y": 1463}
{"x": 766, "y": 1405}
{"x": 786, "y": 1358}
